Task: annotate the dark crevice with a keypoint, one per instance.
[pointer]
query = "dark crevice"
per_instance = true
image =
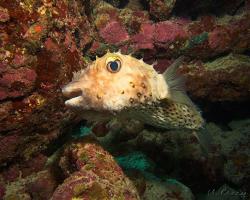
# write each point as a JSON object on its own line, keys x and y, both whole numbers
{"x": 86, "y": 48}
{"x": 224, "y": 112}
{"x": 118, "y": 3}
{"x": 194, "y": 8}
{"x": 63, "y": 138}
{"x": 145, "y": 4}
{"x": 247, "y": 52}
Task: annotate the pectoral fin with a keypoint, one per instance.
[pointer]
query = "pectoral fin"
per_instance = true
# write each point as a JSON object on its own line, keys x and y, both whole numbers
{"x": 176, "y": 84}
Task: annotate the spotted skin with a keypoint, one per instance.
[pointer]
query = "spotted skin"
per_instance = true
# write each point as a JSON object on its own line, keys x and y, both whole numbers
{"x": 167, "y": 115}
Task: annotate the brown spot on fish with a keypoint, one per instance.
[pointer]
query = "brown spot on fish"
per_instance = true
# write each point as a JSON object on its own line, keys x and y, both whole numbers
{"x": 98, "y": 97}
{"x": 132, "y": 84}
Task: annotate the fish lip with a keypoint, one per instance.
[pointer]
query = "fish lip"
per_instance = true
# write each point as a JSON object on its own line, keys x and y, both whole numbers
{"x": 74, "y": 102}
{"x": 69, "y": 93}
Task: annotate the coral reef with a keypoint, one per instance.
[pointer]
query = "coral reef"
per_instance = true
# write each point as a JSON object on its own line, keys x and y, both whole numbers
{"x": 169, "y": 189}
{"x": 43, "y": 42}
{"x": 36, "y": 186}
{"x": 38, "y": 55}
{"x": 93, "y": 174}
{"x": 161, "y": 9}
{"x": 226, "y": 158}
{"x": 224, "y": 79}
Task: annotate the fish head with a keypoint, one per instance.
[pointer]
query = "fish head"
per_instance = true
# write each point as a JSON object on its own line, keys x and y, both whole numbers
{"x": 113, "y": 82}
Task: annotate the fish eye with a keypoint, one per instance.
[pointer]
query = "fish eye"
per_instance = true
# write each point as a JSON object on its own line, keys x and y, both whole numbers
{"x": 114, "y": 66}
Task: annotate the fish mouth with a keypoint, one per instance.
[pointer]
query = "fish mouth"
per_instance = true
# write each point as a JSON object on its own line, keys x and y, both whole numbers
{"x": 73, "y": 95}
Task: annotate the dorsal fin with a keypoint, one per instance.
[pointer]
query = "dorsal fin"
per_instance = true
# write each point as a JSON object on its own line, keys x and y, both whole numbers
{"x": 176, "y": 84}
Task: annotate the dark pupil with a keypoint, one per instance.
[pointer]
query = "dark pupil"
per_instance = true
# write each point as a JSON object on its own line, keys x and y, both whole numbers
{"x": 113, "y": 65}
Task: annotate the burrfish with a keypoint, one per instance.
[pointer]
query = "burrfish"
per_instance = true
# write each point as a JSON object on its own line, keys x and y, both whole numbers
{"x": 124, "y": 87}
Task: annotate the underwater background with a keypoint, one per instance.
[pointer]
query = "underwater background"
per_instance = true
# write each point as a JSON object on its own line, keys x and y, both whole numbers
{"x": 48, "y": 152}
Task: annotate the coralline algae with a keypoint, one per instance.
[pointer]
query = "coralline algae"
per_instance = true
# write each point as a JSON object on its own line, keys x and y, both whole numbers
{"x": 43, "y": 43}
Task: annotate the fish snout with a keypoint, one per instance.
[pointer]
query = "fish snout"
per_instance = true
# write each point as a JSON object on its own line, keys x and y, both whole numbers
{"x": 74, "y": 95}
{"x": 71, "y": 90}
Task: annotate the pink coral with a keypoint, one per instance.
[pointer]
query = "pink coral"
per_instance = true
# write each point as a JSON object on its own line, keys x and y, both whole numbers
{"x": 114, "y": 33}
{"x": 19, "y": 60}
{"x": 220, "y": 39}
{"x": 169, "y": 31}
{"x": 4, "y": 15}
{"x": 144, "y": 39}
{"x": 162, "y": 65}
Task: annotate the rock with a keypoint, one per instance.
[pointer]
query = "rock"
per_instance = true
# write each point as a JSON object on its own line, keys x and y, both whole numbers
{"x": 133, "y": 19}
{"x": 39, "y": 51}
{"x": 4, "y": 14}
{"x": 9, "y": 145}
{"x": 39, "y": 186}
{"x": 37, "y": 31}
{"x": 17, "y": 83}
{"x": 235, "y": 147}
{"x": 114, "y": 33}
{"x": 103, "y": 13}
{"x": 144, "y": 39}
{"x": 92, "y": 173}
{"x": 169, "y": 189}
{"x": 43, "y": 43}
{"x": 2, "y": 191}
{"x": 169, "y": 31}
{"x": 224, "y": 79}
{"x": 161, "y": 9}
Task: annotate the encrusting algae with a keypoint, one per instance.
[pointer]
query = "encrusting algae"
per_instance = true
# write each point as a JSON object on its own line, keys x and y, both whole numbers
{"x": 121, "y": 86}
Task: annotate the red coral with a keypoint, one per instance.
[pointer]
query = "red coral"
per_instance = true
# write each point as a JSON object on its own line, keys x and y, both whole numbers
{"x": 144, "y": 39}
{"x": 18, "y": 82}
{"x": 169, "y": 31}
{"x": 19, "y": 60}
{"x": 220, "y": 39}
{"x": 162, "y": 65}
{"x": 114, "y": 33}
{"x": 95, "y": 169}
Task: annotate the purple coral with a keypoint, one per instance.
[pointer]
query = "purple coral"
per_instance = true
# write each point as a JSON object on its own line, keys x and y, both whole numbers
{"x": 114, "y": 33}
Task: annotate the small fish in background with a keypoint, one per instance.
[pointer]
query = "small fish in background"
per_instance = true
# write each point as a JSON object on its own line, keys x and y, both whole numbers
{"x": 123, "y": 87}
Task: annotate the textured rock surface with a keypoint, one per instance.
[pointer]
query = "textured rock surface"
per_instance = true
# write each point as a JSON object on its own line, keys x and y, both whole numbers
{"x": 169, "y": 189}
{"x": 224, "y": 79}
{"x": 43, "y": 42}
{"x": 37, "y": 56}
{"x": 93, "y": 174}
{"x": 36, "y": 186}
{"x": 225, "y": 154}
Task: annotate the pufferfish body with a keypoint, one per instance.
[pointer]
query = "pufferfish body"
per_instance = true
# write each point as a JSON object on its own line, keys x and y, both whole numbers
{"x": 121, "y": 86}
